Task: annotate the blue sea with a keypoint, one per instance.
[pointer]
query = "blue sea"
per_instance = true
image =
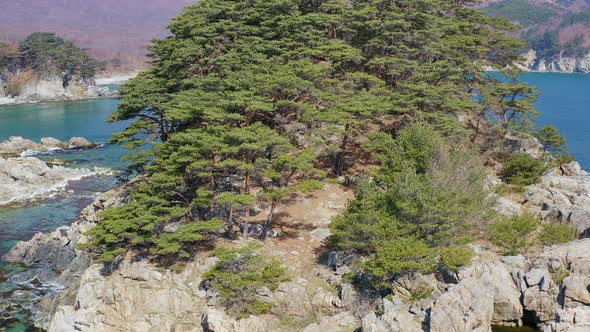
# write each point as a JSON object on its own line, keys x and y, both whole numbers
{"x": 565, "y": 103}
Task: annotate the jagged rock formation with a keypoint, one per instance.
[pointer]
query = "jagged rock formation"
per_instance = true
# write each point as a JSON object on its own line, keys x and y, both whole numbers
{"x": 35, "y": 88}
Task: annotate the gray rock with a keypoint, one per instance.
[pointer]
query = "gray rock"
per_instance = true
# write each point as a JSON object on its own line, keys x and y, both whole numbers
{"x": 50, "y": 142}
{"x": 24, "y": 179}
{"x": 395, "y": 317}
{"x": 293, "y": 298}
{"x": 17, "y": 145}
{"x": 343, "y": 321}
{"x": 506, "y": 207}
{"x": 466, "y": 307}
{"x": 320, "y": 234}
{"x": 215, "y": 320}
{"x": 531, "y": 146}
{"x": 496, "y": 276}
{"x": 576, "y": 290}
{"x": 543, "y": 304}
{"x": 81, "y": 143}
{"x": 580, "y": 217}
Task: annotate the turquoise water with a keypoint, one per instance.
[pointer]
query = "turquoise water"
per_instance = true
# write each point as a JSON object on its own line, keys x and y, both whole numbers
{"x": 61, "y": 120}
{"x": 565, "y": 103}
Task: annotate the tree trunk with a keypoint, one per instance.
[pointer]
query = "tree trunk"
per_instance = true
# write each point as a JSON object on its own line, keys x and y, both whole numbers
{"x": 339, "y": 167}
{"x": 230, "y": 222}
{"x": 267, "y": 223}
{"x": 247, "y": 183}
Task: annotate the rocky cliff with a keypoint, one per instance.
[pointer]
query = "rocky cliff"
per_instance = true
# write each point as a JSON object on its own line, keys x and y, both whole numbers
{"x": 559, "y": 64}
{"x": 26, "y": 88}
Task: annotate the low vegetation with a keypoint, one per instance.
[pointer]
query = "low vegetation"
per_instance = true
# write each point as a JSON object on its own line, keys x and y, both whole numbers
{"x": 237, "y": 277}
{"x": 515, "y": 233}
{"x": 557, "y": 233}
{"x": 520, "y": 11}
{"x": 455, "y": 257}
{"x": 523, "y": 170}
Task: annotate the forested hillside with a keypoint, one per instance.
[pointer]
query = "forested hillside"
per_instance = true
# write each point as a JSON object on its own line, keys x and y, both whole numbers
{"x": 552, "y": 28}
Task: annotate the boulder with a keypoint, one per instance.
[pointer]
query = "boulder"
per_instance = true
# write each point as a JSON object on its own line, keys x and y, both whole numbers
{"x": 514, "y": 144}
{"x": 136, "y": 298}
{"x": 28, "y": 178}
{"x": 496, "y": 276}
{"x": 506, "y": 207}
{"x": 81, "y": 143}
{"x": 215, "y": 320}
{"x": 50, "y": 142}
{"x": 570, "y": 320}
{"x": 17, "y": 145}
{"x": 293, "y": 298}
{"x": 576, "y": 290}
{"x": 543, "y": 304}
{"x": 580, "y": 217}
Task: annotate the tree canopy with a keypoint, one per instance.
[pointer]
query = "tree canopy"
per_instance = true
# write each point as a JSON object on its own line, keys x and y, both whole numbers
{"x": 45, "y": 52}
{"x": 273, "y": 94}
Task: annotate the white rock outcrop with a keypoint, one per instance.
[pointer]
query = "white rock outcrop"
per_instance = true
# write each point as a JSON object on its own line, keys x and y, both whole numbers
{"x": 24, "y": 179}
{"x": 559, "y": 64}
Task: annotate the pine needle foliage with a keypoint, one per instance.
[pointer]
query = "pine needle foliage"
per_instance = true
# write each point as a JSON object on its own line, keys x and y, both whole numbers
{"x": 271, "y": 94}
{"x": 428, "y": 189}
{"x": 237, "y": 277}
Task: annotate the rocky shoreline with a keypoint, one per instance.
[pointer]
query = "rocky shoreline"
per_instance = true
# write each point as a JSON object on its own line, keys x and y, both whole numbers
{"x": 24, "y": 178}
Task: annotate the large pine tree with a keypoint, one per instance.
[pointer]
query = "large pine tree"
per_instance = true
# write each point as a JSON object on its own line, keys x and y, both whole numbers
{"x": 271, "y": 93}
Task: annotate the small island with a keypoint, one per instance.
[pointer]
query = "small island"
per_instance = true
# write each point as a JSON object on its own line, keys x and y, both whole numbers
{"x": 46, "y": 67}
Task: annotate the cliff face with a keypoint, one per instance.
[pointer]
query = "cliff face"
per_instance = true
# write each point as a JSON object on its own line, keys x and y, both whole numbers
{"x": 27, "y": 86}
{"x": 560, "y": 64}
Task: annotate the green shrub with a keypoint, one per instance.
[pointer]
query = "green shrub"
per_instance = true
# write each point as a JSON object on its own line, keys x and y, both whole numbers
{"x": 401, "y": 256}
{"x": 429, "y": 188}
{"x": 238, "y": 274}
{"x": 562, "y": 159}
{"x": 456, "y": 257}
{"x": 559, "y": 274}
{"x": 522, "y": 169}
{"x": 514, "y": 233}
{"x": 421, "y": 292}
{"x": 556, "y": 233}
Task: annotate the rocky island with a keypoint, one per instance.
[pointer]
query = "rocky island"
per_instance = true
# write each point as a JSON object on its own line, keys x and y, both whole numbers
{"x": 324, "y": 166}
{"x": 45, "y": 67}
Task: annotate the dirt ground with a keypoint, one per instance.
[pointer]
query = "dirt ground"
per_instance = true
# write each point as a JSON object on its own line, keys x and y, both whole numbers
{"x": 304, "y": 223}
